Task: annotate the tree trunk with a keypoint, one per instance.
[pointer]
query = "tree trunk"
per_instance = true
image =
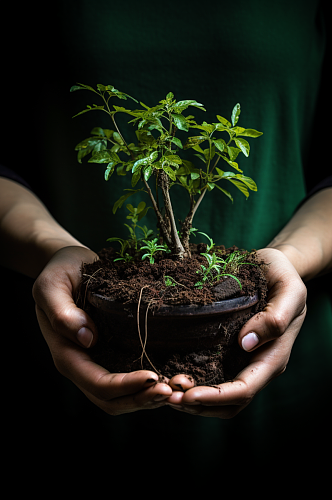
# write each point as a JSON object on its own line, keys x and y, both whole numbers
{"x": 177, "y": 248}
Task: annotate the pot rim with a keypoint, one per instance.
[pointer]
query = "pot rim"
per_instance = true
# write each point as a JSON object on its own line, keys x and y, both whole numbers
{"x": 183, "y": 310}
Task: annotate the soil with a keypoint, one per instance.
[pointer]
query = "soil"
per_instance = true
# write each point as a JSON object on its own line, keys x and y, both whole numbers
{"x": 125, "y": 283}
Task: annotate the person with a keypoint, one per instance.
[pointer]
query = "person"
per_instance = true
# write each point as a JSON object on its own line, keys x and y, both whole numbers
{"x": 271, "y": 58}
{"x": 34, "y": 244}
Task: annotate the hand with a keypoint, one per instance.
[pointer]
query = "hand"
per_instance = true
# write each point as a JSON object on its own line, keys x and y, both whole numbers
{"x": 270, "y": 334}
{"x": 69, "y": 332}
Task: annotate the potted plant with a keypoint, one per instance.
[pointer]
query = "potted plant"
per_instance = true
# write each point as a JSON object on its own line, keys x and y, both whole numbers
{"x": 179, "y": 304}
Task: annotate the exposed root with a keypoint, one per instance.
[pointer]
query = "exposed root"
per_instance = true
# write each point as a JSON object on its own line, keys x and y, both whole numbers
{"x": 87, "y": 283}
{"x": 143, "y": 344}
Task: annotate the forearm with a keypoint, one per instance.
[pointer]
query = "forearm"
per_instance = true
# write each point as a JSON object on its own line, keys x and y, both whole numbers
{"x": 307, "y": 238}
{"x": 29, "y": 234}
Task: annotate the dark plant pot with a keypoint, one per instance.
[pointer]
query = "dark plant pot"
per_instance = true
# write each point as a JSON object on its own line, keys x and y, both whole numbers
{"x": 183, "y": 328}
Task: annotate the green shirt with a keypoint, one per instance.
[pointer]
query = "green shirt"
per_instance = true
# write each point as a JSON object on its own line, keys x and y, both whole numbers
{"x": 265, "y": 55}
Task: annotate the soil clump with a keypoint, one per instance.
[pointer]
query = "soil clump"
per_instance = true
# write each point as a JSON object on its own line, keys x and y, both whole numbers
{"x": 137, "y": 281}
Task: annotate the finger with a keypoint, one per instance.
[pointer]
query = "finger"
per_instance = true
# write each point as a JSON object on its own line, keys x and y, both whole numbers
{"x": 286, "y": 305}
{"x": 228, "y": 399}
{"x": 224, "y": 401}
{"x": 151, "y": 398}
{"x": 181, "y": 382}
{"x": 75, "y": 363}
{"x": 53, "y": 293}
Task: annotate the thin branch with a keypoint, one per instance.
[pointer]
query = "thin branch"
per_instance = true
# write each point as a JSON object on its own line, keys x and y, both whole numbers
{"x": 158, "y": 214}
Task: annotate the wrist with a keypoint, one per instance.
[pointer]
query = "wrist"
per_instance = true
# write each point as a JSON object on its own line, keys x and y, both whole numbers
{"x": 305, "y": 254}
{"x": 47, "y": 238}
{"x": 292, "y": 253}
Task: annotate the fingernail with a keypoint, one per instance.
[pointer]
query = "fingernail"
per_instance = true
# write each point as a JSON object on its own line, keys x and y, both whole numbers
{"x": 250, "y": 341}
{"x": 150, "y": 381}
{"x": 85, "y": 336}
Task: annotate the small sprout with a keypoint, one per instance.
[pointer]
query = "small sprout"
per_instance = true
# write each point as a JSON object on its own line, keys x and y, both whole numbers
{"x": 169, "y": 281}
{"x": 126, "y": 258}
{"x": 218, "y": 267}
{"x": 133, "y": 242}
{"x": 211, "y": 245}
{"x": 152, "y": 248}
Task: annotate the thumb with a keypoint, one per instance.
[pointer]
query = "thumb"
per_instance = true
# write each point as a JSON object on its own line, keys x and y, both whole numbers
{"x": 285, "y": 309}
{"x": 54, "y": 290}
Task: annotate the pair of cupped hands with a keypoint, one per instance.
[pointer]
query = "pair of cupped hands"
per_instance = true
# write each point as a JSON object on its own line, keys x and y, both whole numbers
{"x": 70, "y": 332}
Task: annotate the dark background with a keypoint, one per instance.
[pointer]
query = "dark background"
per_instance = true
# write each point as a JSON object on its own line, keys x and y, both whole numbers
{"x": 47, "y": 420}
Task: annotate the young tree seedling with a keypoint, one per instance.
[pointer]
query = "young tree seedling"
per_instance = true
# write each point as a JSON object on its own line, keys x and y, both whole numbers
{"x": 156, "y": 161}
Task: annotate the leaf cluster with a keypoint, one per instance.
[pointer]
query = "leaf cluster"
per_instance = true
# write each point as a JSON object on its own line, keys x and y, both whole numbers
{"x": 132, "y": 243}
{"x": 158, "y": 149}
{"x": 218, "y": 267}
{"x": 164, "y": 134}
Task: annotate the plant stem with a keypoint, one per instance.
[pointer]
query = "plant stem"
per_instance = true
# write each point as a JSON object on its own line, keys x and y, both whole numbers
{"x": 118, "y": 131}
{"x": 176, "y": 245}
{"x": 160, "y": 218}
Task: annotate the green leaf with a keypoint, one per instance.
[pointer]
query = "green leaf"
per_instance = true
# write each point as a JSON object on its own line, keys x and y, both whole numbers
{"x": 89, "y": 144}
{"x": 233, "y": 152}
{"x": 220, "y": 172}
{"x": 250, "y": 183}
{"x": 180, "y": 106}
{"x": 114, "y": 92}
{"x": 194, "y": 141}
{"x": 238, "y": 130}
{"x": 98, "y": 131}
{"x": 117, "y": 137}
{"x": 100, "y": 146}
{"x": 170, "y": 172}
{"x": 225, "y": 175}
{"x": 153, "y": 156}
{"x": 120, "y": 109}
{"x": 235, "y": 114}
{"x": 104, "y": 157}
{"x": 250, "y": 132}
{"x": 208, "y": 127}
{"x": 139, "y": 164}
{"x": 180, "y": 122}
{"x": 220, "y": 143}
{"x": 225, "y": 192}
{"x": 183, "y": 180}
{"x": 225, "y": 122}
{"x": 177, "y": 141}
{"x": 130, "y": 208}
{"x": 232, "y": 163}
{"x": 243, "y": 145}
{"x": 75, "y": 87}
{"x": 148, "y": 171}
{"x": 240, "y": 186}
{"x": 136, "y": 177}
{"x": 81, "y": 86}
{"x": 173, "y": 159}
{"x": 109, "y": 170}
{"x": 89, "y": 108}
{"x": 209, "y": 153}
{"x": 141, "y": 206}
{"x": 220, "y": 127}
{"x": 124, "y": 197}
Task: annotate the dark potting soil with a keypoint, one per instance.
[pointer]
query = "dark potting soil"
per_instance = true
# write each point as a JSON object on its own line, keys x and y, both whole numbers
{"x": 140, "y": 282}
